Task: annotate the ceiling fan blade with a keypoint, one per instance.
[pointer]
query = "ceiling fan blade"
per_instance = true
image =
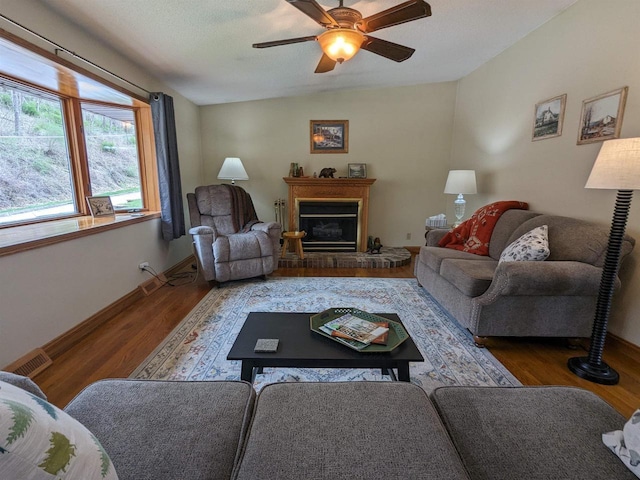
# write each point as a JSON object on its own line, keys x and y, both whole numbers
{"x": 325, "y": 65}
{"x": 404, "y": 12}
{"x": 313, "y": 10}
{"x": 288, "y": 41}
{"x": 390, "y": 50}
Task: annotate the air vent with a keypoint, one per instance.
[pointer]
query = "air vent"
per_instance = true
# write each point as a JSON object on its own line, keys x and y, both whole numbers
{"x": 31, "y": 364}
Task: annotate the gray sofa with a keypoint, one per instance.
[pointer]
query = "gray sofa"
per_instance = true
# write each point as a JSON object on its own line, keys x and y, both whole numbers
{"x": 551, "y": 298}
{"x": 331, "y": 431}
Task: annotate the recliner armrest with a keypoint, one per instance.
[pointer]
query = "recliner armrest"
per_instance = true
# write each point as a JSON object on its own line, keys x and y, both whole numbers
{"x": 266, "y": 226}
{"x": 202, "y": 230}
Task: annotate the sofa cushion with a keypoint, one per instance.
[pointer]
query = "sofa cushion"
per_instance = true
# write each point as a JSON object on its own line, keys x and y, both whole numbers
{"x": 23, "y": 382}
{"x": 165, "y": 430}
{"x": 39, "y": 441}
{"x": 348, "y": 430}
{"x": 531, "y": 432}
{"x": 531, "y": 247}
{"x": 434, "y": 256}
{"x": 625, "y": 443}
{"x": 573, "y": 239}
{"x": 507, "y": 224}
{"x": 471, "y": 277}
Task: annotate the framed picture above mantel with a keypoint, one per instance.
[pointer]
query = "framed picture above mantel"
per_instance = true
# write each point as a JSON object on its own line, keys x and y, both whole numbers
{"x": 329, "y": 136}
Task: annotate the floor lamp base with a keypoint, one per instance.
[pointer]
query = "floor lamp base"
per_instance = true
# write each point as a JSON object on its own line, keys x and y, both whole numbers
{"x": 602, "y": 374}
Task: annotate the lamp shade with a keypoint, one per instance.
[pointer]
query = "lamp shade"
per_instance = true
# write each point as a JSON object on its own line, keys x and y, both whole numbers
{"x": 617, "y": 166}
{"x": 232, "y": 169}
{"x": 340, "y": 44}
{"x": 461, "y": 181}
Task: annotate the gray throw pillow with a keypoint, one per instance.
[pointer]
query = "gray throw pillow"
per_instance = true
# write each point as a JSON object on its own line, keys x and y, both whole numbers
{"x": 532, "y": 246}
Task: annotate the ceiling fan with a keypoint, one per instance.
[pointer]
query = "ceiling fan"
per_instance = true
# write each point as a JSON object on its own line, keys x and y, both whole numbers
{"x": 347, "y": 31}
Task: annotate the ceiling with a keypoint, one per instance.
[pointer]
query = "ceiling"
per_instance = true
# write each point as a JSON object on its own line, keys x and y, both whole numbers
{"x": 202, "y": 48}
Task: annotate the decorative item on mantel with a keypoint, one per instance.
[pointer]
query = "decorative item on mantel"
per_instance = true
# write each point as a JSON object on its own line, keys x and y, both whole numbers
{"x": 327, "y": 172}
{"x": 459, "y": 182}
{"x": 617, "y": 167}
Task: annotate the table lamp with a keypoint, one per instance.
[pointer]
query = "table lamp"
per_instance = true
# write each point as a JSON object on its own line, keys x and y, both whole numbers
{"x": 232, "y": 169}
{"x": 459, "y": 182}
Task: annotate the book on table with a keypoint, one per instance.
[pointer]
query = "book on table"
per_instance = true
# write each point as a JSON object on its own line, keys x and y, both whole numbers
{"x": 356, "y": 332}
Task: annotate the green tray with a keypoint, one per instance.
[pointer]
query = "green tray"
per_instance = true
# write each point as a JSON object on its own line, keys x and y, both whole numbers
{"x": 397, "y": 333}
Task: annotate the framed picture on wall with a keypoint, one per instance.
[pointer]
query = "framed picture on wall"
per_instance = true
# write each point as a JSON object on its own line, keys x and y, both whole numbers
{"x": 357, "y": 170}
{"x": 601, "y": 117}
{"x": 329, "y": 136}
{"x": 101, "y": 206}
{"x": 548, "y": 118}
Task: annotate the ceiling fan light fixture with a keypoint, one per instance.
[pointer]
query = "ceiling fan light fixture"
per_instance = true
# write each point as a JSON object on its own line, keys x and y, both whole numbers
{"x": 340, "y": 44}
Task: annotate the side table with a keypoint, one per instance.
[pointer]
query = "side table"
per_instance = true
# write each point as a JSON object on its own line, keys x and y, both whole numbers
{"x": 294, "y": 238}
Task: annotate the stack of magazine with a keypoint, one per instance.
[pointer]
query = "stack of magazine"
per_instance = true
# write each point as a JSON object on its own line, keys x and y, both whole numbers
{"x": 356, "y": 332}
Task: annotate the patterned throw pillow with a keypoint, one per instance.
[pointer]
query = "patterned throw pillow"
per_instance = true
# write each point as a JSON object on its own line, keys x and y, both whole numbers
{"x": 532, "y": 246}
{"x": 40, "y": 441}
{"x": 626, "y": 443}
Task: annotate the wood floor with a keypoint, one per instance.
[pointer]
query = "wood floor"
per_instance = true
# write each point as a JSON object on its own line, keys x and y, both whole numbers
{"x": 116, "y": 348}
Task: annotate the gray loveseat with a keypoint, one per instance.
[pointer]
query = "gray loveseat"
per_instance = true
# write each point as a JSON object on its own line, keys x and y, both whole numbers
{"x": 551, "y": 298}
{"x": 311, "y": 431}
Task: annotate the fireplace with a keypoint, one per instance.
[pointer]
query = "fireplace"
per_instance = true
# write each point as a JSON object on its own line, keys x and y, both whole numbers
{"x": 331, "y": 225}
{"x": 332, "y": 208}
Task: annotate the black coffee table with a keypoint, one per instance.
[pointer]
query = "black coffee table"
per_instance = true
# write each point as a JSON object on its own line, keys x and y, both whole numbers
{"x": 302, "y": 348}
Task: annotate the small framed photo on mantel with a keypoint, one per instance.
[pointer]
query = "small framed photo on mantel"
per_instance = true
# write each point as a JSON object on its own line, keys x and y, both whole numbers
{"x": 357, "y": 170}
{"x": 329, "y": 136}
{"x": 101, "y": 207}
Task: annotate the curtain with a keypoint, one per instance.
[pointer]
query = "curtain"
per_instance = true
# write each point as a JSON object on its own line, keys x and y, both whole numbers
{"x": 164, "y": 127}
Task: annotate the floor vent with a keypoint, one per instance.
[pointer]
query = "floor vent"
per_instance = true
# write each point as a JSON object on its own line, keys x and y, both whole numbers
{"x": 153, "y": 284}
{"x": 31, "y": 364}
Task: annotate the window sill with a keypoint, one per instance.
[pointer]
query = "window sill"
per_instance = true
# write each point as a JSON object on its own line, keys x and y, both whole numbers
{"x": 28, "y": 237}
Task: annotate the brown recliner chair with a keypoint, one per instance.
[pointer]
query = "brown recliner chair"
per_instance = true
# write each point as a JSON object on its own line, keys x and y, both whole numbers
{"x": 230, "y": 242}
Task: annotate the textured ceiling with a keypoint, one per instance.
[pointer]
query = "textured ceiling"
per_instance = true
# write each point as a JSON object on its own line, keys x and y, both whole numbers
{"x": 202, "y": 48}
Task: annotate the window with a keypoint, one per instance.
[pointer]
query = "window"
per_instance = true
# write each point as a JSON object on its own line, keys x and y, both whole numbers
{"x": 35, "y": 167}
{"x": 66, "y": 134}
{"x": 112, "y": 155}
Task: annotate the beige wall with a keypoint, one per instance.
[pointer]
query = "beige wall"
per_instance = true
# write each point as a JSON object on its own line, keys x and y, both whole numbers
{"x": 402, "y": 134}
{"x": 48, "y": 291}
{"x": 590, "y": 49}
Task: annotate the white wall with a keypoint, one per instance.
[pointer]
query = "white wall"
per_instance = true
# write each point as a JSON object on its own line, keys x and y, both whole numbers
{"x": 49, "y": 290}
{"x": 590, "y": 49}
{"x": 402, "y": 134}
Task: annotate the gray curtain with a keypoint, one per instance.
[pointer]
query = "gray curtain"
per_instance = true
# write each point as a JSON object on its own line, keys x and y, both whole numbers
{"x": 164, "y": 127}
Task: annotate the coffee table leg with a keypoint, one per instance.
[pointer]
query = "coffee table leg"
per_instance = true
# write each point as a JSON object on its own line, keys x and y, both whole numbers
{"x": 246, "y": 372}
{"x": 403, "y": 372}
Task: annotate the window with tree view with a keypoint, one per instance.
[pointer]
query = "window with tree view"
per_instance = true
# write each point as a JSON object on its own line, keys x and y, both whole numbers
{"x": 35, "y": 168}
{"x": 67, "y": 134}
{"x": 112, "y": 154}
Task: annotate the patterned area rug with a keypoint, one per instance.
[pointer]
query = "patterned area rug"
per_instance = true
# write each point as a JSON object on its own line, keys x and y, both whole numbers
{"x": 197, "y": 348}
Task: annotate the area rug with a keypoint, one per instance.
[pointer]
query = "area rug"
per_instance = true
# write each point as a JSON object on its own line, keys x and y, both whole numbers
{"x": 197, "y": 348}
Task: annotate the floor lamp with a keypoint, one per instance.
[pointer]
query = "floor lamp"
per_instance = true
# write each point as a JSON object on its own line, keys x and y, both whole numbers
{"x": 616, "y": 168}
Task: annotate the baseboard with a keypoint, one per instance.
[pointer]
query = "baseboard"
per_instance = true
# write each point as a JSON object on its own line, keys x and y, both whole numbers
{"x": 68, "y": 339}
{"x": 626, "y": 343}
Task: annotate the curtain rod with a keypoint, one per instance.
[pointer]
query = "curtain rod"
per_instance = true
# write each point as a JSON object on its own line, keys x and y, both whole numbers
{"x": 73, "y": 54}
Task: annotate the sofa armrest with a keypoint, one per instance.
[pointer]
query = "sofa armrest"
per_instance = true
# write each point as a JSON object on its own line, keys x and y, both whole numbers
{"x": 543, "y": 278}
{"x": 434, "y": 235}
